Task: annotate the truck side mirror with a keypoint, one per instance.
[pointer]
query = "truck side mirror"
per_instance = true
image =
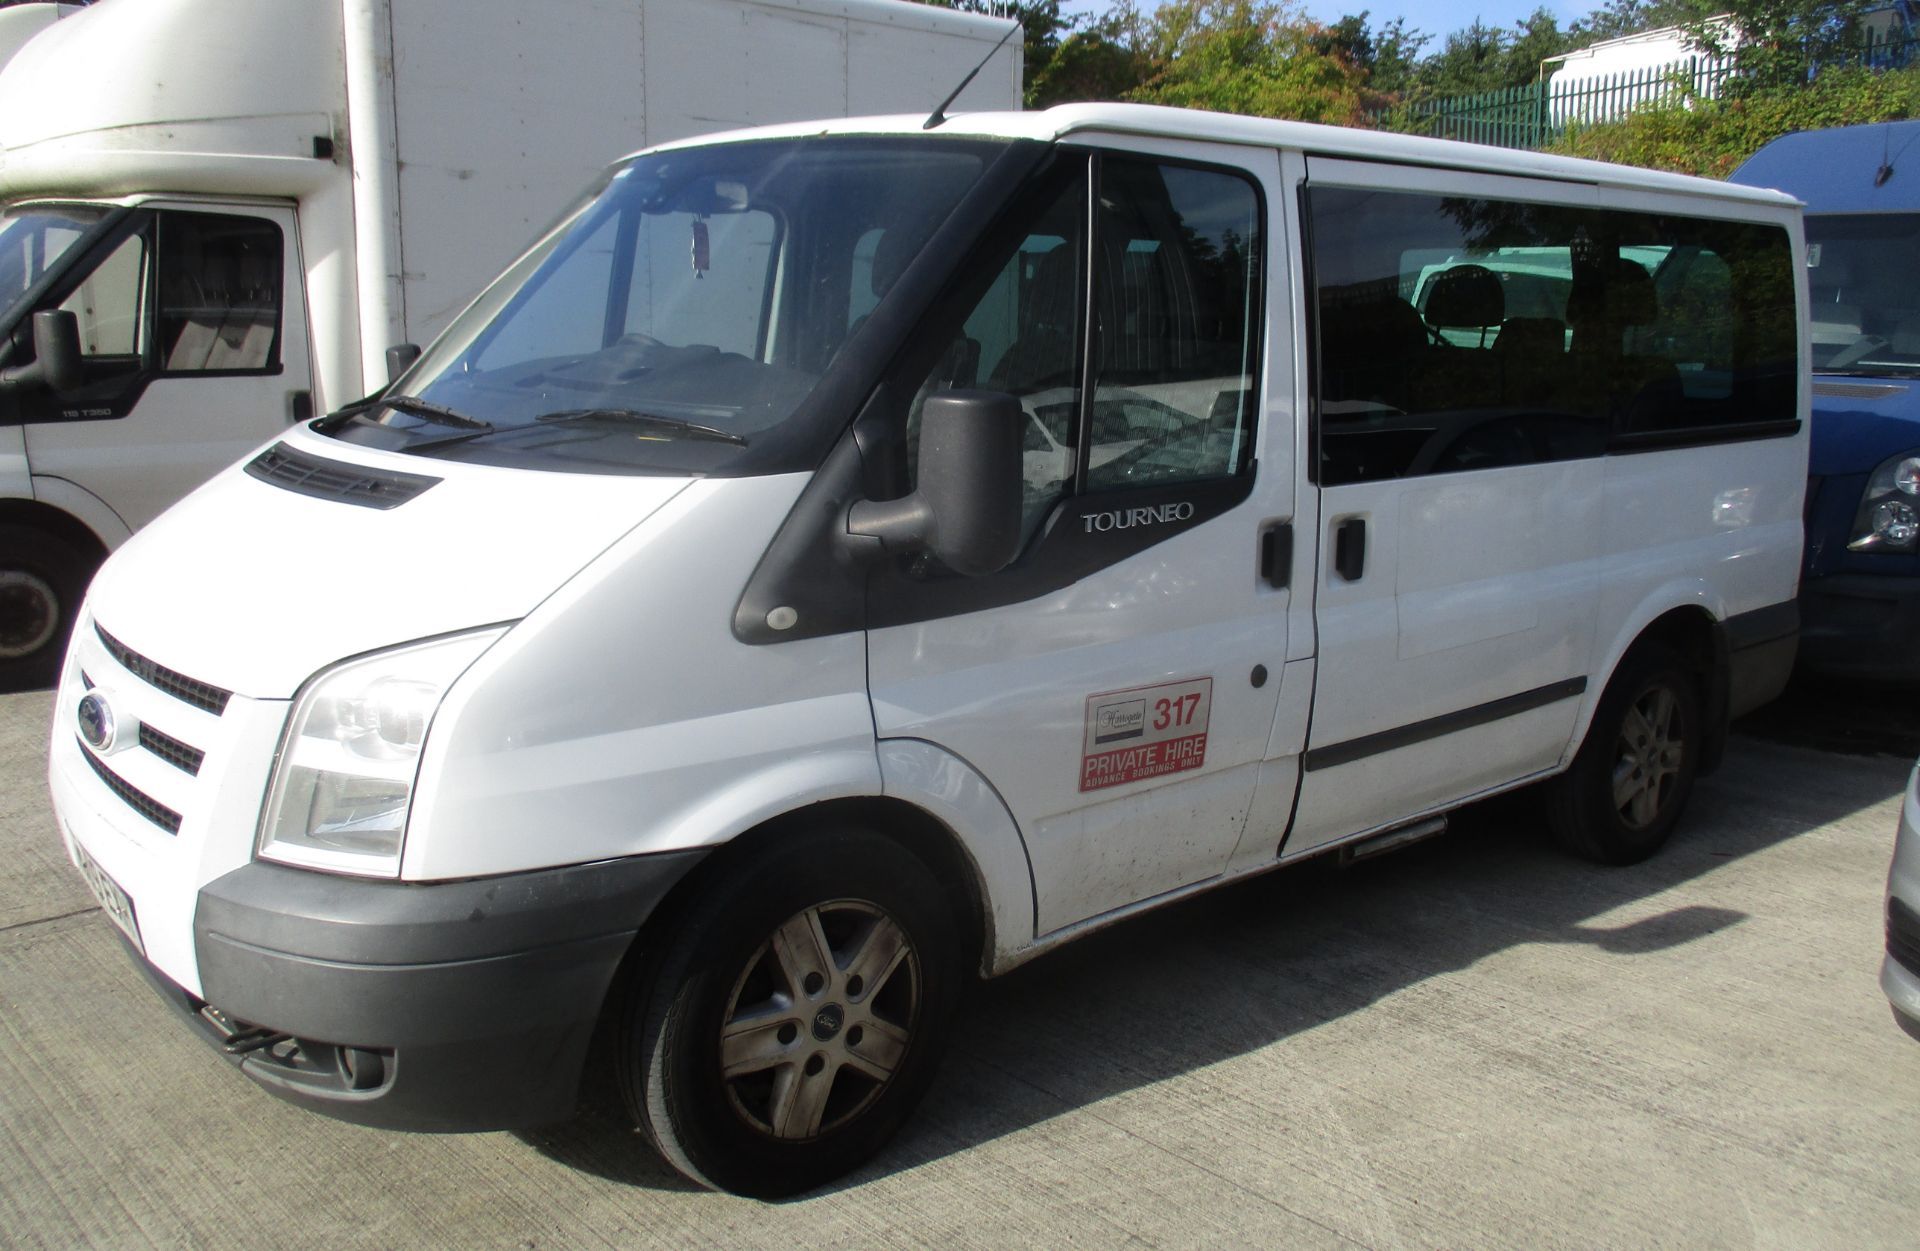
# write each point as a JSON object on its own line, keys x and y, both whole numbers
{"x": 56, "y": 355}
{"x": 966, "y": 509}
{"x": 400, "y": 358}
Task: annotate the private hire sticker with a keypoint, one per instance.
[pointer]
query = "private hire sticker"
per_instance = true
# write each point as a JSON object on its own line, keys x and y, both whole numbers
{"x": 1145, "y": 732}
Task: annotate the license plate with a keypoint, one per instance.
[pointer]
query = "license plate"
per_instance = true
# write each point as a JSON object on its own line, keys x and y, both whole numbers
{"x": 107, "y": 893}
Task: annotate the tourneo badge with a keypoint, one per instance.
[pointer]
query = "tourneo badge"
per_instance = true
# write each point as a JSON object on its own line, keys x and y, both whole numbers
{"x": 1145, "y": 732}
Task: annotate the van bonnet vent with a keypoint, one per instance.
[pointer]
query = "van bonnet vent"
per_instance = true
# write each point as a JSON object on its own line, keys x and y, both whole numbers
{"x": 340, "y": 480}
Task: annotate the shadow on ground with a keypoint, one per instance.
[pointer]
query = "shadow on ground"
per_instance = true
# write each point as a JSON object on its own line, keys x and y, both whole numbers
{"x": 1251, "y": 965}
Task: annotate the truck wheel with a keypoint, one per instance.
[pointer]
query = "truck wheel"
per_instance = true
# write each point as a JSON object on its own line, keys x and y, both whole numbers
{"x": 42, "y": 579}
{"x": 796, "y": 1015}
{"x": 1633, "y": 773}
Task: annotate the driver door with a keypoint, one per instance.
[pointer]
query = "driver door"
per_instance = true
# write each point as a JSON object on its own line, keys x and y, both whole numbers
{"x": 1117, "y": 683}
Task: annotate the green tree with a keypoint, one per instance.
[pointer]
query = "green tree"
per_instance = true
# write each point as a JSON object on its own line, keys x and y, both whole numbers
{"x": 1388, "y": 57}
{"x": 1241, "y": 56}
{"x": 1777, "y": 43}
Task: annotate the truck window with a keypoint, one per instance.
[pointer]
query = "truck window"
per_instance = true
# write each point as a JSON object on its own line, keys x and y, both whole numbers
{"x": 1457, "y": 334}
{"x": 1173, "y": 391}
{"x": 110, "y": 304}
{"x": 33, "y": 240}
{"x": 219, "y": 293}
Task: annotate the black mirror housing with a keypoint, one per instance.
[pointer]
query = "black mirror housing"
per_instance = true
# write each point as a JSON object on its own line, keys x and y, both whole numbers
{"x": 56, "y": 355}
{"x": 966, "y": 507}
{"x": 400, "y": 358}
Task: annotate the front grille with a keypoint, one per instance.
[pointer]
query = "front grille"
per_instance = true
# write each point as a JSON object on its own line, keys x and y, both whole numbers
{"x": 135, "y": 798}
{"x": 1903, "y": 935}
{"x": 340, "y": 480}
{"x": 179, "y": 685}
{"x": 171, "y": 749}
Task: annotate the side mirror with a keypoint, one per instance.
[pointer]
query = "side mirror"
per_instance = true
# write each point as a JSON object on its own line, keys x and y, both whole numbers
{"x": 400, "y": 358}
{"x": 966, "y": 509}
{"x": 56, "y": 355}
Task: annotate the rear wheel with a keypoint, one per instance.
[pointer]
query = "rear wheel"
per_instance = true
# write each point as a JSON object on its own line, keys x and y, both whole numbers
{"x": 796, "y": 1016}
{"x": 42, "y": 579}
{"x": 1632, "y": 776}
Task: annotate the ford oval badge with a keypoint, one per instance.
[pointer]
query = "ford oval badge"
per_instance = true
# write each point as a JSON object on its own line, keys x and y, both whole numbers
{"x": 96, "y": 721}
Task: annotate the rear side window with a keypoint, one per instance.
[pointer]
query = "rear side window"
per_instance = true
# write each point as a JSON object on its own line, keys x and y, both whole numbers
{"x": 1457, "y": 334}
{"x": 219, "y": 294}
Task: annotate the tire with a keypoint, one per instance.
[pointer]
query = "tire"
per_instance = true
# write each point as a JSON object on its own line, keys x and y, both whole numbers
{"x": 42, "y": 580}
{"x": 826, "y": 1064}
{"x": 1630, "y": 780}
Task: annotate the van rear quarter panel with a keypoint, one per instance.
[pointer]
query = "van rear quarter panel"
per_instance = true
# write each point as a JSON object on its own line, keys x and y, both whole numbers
{"x": 1715, "y": 527}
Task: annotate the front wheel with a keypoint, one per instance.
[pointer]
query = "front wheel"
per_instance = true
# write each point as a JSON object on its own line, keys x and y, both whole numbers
{"x": 796, "y": 1016}
{"x": 42, "y": 580}
{"x": 1630, "y": 781}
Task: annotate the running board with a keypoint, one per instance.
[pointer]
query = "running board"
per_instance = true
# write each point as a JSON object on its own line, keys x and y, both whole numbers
{"x": 1393, "y": 839}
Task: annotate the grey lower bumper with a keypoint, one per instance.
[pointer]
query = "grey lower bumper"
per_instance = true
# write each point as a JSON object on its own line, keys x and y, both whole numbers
{"x": 438, "y": 1006}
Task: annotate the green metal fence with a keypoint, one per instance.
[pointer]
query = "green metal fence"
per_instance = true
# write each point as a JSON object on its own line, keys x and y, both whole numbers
{"x": 1539, "y": 113}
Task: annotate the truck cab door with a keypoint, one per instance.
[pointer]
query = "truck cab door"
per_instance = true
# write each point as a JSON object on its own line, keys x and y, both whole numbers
{"x": 194, "y": 345}
{"x": 1117, "y": 683}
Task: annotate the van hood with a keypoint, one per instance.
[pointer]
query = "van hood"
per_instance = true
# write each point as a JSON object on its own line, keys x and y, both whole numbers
{"x": 1859, "y": 422}
{"x": 254, "y": 586}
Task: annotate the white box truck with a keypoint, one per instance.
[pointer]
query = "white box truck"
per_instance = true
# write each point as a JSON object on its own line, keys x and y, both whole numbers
{"x": 244, "y": 203}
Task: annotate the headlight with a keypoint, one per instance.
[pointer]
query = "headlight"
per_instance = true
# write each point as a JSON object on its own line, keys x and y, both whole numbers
{"x": 345, "y": 774}
{"x": 1889, "y": 516}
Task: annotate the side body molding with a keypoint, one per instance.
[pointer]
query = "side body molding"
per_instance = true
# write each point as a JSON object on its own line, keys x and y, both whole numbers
{"x": 952, "y": 791}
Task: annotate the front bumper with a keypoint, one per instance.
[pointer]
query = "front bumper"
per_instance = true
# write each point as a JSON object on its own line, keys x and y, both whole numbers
{"x": 1900, "y": 970}
{"x": 439, "y": 1006}
{"x": 1865, "y": 626}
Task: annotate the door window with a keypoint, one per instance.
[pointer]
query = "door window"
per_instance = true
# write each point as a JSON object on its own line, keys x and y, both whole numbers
{"x": 1023, "y": 336}
{"x": 110, "y": 305}
{"x": 1173, "y": 393}
{"x": 220, "y": 279}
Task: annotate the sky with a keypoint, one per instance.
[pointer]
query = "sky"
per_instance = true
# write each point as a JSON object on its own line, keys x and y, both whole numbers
{"x": 1436, "y": 17}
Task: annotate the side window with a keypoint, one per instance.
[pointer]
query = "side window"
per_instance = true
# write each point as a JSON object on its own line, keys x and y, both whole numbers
{"x": 220, "y": 294}
{"x": 1175, "y": 339}
{"x": 1023, "y": 337}
{"x": 1456, "y": 334}
{"x": 110, "y": 305}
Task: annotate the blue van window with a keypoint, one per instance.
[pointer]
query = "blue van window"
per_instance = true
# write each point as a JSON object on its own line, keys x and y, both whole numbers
{"x": 1862, "y": 309}
{"x": 1456, "y": 334}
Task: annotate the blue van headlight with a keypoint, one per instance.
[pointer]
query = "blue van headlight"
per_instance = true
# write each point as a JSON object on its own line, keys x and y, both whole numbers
{"x": 344, "y": 778}
{"x": 1889, "y": 516}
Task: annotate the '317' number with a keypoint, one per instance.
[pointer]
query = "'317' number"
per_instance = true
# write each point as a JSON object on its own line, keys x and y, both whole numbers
{"x": 1176, "y": 711}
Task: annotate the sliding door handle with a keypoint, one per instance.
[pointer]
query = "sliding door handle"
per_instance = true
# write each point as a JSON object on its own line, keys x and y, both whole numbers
{"x": 1350, "y": 548}
{"x": 1276, "y": 554}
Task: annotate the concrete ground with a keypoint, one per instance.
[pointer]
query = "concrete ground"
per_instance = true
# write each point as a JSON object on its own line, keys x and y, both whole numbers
{"x": 1473, "y": 1043}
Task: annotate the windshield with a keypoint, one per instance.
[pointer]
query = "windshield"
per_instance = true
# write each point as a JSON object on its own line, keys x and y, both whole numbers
{"x": 32, "y": 241}
{"x": 1863, "y": 308}
{"x": 676, "y": 320}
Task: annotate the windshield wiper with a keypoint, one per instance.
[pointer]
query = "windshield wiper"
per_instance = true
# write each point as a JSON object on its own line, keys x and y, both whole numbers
{"x": 438, "y": 414}
{"x": 652, "y": 421}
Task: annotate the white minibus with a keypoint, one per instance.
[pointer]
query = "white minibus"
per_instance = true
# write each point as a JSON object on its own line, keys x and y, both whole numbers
{"x": 838, "y": 561}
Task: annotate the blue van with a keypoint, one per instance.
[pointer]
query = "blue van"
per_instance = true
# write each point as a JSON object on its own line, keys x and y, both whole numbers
{"x": 1860, "y": 584}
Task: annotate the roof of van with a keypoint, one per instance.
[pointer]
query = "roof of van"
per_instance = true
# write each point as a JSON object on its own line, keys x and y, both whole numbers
{"x": 1833, "y": 170}
{"x": 1158, "y": 121}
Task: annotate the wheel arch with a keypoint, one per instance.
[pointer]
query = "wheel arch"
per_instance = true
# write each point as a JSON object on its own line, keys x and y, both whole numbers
{"x": 1692, "y": 628}
{"x": 913, "y": 828}
{"x": 55, "y": 521}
